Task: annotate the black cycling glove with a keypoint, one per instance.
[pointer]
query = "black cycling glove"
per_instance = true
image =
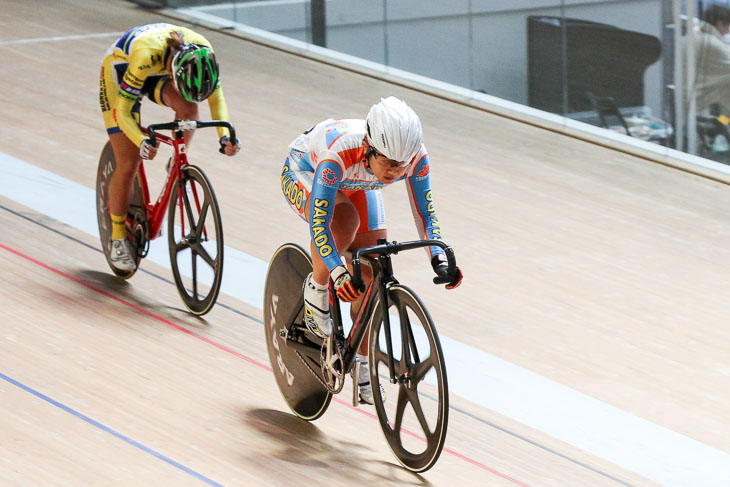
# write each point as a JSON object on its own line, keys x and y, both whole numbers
{"x": 441, "y": 268}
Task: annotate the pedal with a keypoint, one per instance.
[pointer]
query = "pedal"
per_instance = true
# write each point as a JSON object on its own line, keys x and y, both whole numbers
{"x": 139, "y": 231}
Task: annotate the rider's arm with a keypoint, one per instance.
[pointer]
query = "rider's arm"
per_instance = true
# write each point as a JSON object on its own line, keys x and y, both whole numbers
{"x": 129, "y": 92}
{"x": 321, "y": 209}
{"x": 419, "y": 193}
{"x": 219, "y": 109}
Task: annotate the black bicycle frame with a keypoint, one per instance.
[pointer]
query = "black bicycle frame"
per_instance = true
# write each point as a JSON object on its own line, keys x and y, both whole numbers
{"x": 359, "y": 325}
{"x": 383, "y": 278}
{"x": 297, "y": 339}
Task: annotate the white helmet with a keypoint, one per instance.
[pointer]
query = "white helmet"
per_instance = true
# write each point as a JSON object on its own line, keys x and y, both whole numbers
{"x": 394, "y": 129}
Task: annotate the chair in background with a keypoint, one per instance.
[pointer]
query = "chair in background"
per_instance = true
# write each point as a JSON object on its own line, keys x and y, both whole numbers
{"x": 598, "y": 58}
{"x": 605, "y": 107}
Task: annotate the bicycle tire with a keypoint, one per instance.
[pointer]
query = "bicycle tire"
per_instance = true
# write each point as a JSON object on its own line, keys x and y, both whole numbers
{"x": 107, "y": 165}
{"x": 303, "y": 393}
{"x": 412, "y": 365}
{"x": 189, "y": 230}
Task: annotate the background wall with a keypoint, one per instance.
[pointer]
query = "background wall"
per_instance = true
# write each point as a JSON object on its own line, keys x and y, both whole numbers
{"x": 477, "y": 44}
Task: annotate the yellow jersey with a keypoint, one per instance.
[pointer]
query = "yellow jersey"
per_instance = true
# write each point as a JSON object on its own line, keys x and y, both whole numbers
{"x": 141, "y": 55}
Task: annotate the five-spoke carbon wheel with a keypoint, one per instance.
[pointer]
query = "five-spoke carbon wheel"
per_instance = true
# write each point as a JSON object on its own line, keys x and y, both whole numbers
{"x": 414, "y": 412}
{"x": 195, "y": 240}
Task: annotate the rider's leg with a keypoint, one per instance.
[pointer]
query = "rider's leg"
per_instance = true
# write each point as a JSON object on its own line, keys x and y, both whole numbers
{"x": 365, "y": 390}
{"x": 369, "y": 204}
{"x": 120, "y": 193}
{"x": 120, "y": 184}
{"x": 343, "y": 226}
{"x": 127, "y": 153}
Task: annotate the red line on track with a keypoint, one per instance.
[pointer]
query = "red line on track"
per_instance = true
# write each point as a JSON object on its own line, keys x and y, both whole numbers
{"x": 137, "y": 308}
{"x": 239, "y": 355}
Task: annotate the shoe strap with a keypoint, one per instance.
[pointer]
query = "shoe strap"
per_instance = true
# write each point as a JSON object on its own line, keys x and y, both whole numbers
{"x": 306, "y": 301}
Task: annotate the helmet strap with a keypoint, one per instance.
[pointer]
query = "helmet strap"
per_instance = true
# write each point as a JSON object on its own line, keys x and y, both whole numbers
{"x": 167, "y": 58}
{"x": 370, "y": 151}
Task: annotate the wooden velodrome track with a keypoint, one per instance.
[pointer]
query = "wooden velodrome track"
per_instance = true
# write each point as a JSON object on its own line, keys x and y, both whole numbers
{"x": 596, "y": 280}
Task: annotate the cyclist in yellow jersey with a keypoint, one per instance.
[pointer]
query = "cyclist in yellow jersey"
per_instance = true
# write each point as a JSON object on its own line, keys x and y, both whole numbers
{"x": 172, "y": 66}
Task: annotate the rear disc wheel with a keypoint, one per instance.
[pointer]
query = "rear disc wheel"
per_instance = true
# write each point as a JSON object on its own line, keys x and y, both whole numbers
{"x": 294, "y": 369}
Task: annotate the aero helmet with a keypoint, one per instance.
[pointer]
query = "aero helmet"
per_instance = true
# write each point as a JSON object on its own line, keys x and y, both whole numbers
{"x": 394, "y": 129}
{"x": 195, "y": 72}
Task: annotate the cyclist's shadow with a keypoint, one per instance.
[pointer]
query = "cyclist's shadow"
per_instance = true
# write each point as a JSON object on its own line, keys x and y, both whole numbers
{"x": 301, "y": 442}
{"x": 119, "y": 288}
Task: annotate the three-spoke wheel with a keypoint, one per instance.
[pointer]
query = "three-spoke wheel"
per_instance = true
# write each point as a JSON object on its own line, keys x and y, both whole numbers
{"x": 195, "y": 240}
{"x": 415, "y": 413}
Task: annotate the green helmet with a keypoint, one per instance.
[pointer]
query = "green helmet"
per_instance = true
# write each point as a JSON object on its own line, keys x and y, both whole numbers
{"x": 195, "y": 72}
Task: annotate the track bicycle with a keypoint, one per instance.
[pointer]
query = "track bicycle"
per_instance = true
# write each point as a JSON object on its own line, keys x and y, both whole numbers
{"x": 194, "y": 228}
{"x": 404, "y": 353}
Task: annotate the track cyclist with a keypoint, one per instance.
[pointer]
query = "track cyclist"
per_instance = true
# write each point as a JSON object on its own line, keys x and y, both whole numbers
{"x": 173, "y": 66}
{"x": 332, "y": 178}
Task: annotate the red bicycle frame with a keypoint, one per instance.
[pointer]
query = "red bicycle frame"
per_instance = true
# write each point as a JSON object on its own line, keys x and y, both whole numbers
{"x": 156, "y": 212}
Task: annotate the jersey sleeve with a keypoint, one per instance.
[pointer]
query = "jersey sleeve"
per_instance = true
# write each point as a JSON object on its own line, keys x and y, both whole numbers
{"x": 424, "y": 214}
{"x": 130, "y": 89}
{"x": 219, "y": 109}
{"x": 216, "y": 101}
{"x": 321, "y": 207}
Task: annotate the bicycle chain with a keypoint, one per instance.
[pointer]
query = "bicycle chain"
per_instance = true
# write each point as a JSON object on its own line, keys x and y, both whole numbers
{"x": 338, "y": 351}
{"x": 331, "y": 389}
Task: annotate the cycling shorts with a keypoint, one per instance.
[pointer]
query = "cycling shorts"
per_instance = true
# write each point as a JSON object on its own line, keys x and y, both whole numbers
{"x": 113, "y": 71}
{"x": 296, "y": 183}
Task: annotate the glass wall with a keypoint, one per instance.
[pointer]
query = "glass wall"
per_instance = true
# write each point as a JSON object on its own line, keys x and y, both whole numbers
{"x": 649, "y": 69}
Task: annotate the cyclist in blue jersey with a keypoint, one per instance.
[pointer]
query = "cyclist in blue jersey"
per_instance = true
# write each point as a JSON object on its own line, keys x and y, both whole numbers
{"x": 332, "y": 178}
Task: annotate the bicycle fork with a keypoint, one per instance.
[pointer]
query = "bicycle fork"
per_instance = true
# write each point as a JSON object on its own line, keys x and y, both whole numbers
{"x": 388, "y": 336}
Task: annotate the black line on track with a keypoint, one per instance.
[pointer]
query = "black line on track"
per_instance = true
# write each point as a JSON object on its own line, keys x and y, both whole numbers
{"x": 95, "y": 249}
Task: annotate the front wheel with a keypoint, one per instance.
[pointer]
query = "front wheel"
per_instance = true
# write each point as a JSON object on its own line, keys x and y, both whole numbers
{"x": 195, "y": 240}
{"x": 414, "y": 410}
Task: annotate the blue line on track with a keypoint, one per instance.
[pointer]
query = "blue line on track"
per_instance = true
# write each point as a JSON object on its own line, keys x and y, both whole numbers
{"x": 111, "y": 431}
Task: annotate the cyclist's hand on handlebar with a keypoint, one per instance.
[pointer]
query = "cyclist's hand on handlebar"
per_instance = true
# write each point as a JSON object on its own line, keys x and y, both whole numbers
{"x": 343, "y": 284}
{"x": 227, "y": 147}
{"x": 147, "y": 150}
{"x": 441, "y": 268}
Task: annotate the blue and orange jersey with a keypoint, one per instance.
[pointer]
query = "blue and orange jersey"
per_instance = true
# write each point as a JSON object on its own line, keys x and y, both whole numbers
{"x": 337, "y": 157}
{"x": 145, "y": 53}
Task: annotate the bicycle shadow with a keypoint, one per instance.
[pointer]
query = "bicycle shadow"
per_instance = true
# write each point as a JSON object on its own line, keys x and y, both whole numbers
{"x": 302, "y": 443}
{"x": 105, "y": 285}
